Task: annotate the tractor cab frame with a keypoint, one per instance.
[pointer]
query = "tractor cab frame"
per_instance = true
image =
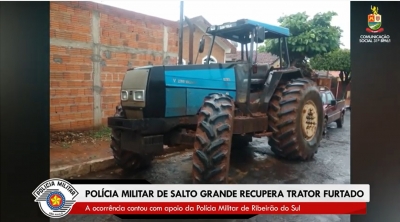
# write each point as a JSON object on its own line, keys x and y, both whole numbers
{"x": 252, "y": 77}
{"x": 247, "y": 32}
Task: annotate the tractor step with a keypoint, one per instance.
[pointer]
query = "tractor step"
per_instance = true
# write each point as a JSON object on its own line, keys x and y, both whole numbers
{"x": 182, "y": 137}
{"x": 264, "y": 134}
{"x": 142, "y": 144}
{"x": 244, "y": 124}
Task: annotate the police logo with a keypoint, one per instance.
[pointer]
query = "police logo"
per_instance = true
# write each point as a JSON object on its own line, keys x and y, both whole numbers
{"x": 55, "y": 197}
{"x": 374, "y": 21}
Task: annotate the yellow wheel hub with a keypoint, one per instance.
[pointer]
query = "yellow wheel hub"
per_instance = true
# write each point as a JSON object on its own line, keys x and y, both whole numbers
{"x": 309, "y": 120}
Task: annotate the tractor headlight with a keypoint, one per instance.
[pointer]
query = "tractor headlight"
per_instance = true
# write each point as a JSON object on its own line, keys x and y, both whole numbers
{"x": 124, "y": 95}
{"x": 138, "y": 95}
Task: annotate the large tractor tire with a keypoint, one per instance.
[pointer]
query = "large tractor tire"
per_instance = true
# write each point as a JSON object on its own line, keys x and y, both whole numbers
{"x": 212, "y": 146}
{"x": 125, "y": 159}
{"x": 296, "y": 120}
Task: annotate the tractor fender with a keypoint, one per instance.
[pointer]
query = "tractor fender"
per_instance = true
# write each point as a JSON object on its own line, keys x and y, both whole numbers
{"x": 278, "y": 76}
{"x": 292, "y": 73}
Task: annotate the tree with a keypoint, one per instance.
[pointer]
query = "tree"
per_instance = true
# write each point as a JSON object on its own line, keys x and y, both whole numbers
{"x": 262, "y": 48}
{"x": 309, "y": 37}
{"x": 337, "y": 60}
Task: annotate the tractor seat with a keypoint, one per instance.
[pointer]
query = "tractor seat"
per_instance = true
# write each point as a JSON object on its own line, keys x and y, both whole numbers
{"x": 261, "y": 75}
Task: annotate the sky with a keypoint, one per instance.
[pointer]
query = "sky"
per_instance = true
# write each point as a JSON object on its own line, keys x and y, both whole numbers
{"x": 218, "y": 11}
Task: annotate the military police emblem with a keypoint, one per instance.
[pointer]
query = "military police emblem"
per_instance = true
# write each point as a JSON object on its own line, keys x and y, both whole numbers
{"x": 374, "y": 21}
{"x": 55, "y": 197}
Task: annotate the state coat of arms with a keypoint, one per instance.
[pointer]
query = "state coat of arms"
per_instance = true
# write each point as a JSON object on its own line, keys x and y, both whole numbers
{"x": 374, "y": 21}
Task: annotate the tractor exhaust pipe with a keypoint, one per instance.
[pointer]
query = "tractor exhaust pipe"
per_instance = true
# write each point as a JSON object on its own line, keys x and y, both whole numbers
{"x": 181, "y": 21}
{"x": 191, "y": 33}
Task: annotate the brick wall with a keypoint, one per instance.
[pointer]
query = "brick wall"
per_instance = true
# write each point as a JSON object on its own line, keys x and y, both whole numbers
{"x": 92, "y": 45}
{"x": 218, "y": 52}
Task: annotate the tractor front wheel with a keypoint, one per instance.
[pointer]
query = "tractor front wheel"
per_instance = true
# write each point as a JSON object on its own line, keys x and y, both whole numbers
{"x": 212, "y": 146}
{"x": 125, "y": 159}
{"x": 296, "y": 120}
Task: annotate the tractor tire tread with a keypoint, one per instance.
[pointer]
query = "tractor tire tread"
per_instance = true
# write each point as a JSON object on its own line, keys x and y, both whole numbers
{"x": 213, "y": 140}
{"x": 282, "y": 123}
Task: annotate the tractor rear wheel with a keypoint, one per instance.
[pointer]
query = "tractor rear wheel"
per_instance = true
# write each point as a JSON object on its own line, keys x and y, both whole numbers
{"x": 296, "y": 120}
{"x": 125, "y": 159}
{"x": 212, "y": 146}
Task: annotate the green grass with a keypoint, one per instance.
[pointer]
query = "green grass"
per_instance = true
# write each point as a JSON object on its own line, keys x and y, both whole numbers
{"x": 65, "y": 138}
{"x": 65, "y": 145}
{"x": 102, "y": 133}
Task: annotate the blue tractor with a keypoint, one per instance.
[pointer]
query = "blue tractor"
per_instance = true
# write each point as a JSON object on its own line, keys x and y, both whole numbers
{"x": 213, "y": 107}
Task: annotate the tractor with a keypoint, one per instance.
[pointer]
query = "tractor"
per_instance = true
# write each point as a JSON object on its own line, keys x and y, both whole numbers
{"x": 213, "y": 107}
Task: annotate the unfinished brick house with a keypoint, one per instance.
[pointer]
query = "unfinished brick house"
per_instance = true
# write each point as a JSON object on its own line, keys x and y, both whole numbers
{"x": 221, "y": 48}
{"x": 91, "y": 46}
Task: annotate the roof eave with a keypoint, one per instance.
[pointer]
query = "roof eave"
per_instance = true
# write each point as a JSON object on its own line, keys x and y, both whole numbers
{"x": 219, "y": 42}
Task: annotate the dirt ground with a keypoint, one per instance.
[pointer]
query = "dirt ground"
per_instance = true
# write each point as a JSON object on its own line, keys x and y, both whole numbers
{"x": 68, "y": 148}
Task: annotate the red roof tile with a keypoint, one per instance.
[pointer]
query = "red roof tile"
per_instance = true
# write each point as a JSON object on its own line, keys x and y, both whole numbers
{"x": 200, "y": 19}
{"x": 262, "y": 57}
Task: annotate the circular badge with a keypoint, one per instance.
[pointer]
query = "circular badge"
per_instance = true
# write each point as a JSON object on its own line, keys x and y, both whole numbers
{"x": 55, "y": 200}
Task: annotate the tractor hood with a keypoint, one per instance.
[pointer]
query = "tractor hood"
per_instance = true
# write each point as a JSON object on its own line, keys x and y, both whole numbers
{"x": 133, "y": 92}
